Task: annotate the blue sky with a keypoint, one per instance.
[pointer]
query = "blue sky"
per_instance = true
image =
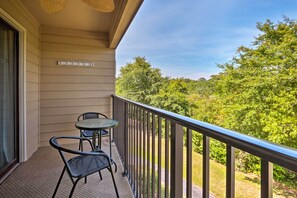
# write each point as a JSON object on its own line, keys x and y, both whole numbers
{"x": 187, "y": 38}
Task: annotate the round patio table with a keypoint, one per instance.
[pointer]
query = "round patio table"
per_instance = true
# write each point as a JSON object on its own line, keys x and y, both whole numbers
{"x": 97, "y": 124}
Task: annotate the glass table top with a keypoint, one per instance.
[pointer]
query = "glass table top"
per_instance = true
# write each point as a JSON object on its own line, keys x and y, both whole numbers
{"x": 96, "y": 124}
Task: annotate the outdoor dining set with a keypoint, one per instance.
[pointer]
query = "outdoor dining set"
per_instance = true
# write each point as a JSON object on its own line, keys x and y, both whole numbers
{"x": 84, "y": 162}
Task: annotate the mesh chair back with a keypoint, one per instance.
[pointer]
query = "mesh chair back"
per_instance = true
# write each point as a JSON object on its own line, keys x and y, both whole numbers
{"x": 90, "y": 115}
{"x": 54, "y": 142}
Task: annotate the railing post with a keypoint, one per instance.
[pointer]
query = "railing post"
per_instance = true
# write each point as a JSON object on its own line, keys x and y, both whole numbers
{"x": 153, "y": 153}
{"x": 266, "y": 179}
{"x": 176, "y": 170}
{"x": 148, "y": 123}
{"x": 113, "y": 107}
{"x": 189, "y": 163}
{"x": 114, "y": 115}
{"x": 159, "y": 157}
{"x": 126, "y": 137}
{"x": 205, "y": 186}
{"x": 166, "y": 158}
{"x": 144, "y": 152}
{"x": 230, "y": 172}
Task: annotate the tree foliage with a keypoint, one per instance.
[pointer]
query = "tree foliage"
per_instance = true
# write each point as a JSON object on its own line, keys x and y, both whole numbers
{"x": 258, "y": 90}
{"x": 138, "y": 81}
{"x": 255, "y": 94}
{"x": 173, "y": 97}
{"x": 259, "y": 86}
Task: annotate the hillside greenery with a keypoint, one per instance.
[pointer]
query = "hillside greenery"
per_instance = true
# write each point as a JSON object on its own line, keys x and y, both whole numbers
{"x": 255, "y": 94}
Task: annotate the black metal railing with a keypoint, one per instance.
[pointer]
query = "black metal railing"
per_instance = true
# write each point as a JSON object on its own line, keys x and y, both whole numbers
{"x": 142, "y": 126}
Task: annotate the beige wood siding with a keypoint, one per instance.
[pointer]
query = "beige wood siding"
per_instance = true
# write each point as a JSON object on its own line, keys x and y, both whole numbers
{"x": 15, "y": 9}
{"x": 67, "y": 91}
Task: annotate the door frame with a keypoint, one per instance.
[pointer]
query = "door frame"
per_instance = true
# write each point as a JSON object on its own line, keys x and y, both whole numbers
{"x": 22, "y": 83}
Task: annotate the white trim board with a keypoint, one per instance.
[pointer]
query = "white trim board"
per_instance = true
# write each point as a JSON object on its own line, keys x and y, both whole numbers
{"x": 22, "y": 83}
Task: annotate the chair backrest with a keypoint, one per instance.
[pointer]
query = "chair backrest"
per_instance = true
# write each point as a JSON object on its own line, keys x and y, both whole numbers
{"x": 54, "y": 142}
{"x": 90, "y": 115}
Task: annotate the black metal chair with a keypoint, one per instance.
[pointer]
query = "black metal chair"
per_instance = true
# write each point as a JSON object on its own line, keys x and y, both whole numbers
{"x": 89, "y": 133}
{"x": 82, "y": 164}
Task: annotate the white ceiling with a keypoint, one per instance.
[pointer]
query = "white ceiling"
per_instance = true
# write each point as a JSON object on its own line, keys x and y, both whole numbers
{"x": 76, "y": 15}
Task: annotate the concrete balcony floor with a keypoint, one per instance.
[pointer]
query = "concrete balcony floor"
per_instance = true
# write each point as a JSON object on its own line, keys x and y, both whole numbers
{"x": 39, "y": 175}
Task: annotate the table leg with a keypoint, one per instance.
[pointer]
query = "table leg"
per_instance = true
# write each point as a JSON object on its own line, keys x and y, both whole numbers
{"x": 94, "y": 139}
{"x": 99, "y": 139}
{"x": 110, "y": 153}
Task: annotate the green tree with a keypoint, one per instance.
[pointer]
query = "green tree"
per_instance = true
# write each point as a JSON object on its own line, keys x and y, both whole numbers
{"x": 258, "y": 90}
{"x": 138, "y": 81}
{"x": 259, "y": 86}
{"x": 173, "y": 97}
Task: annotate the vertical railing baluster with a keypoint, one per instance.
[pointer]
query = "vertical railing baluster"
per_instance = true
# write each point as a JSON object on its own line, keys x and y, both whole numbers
{"x": 153, "y": 153}
{"x": 136, "y": 152}
{"x": 205, "y": 187}
{"x": 126, "y": 125}
{"x": 176, "y": 160}
{"x": 148, "y": 154}
{"x": 166, "y": 158}
{"x": 131, "y": 145}
{"x": 140, "y": 152}
{"x": 159, "y": 155}
{"x": 144, "y": 151}
{"x": 189, "y": 163}
{"x": 114, "y": 101}
{"x": 266, "y": 179}
{"x": 230, "y": 172}
{"x": 129, "y": 142}
{"x": 114, "y": 113}
{"x": 114, "y": 136}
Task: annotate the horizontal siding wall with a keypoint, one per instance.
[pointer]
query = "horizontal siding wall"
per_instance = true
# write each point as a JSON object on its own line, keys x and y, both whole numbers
{"x": 67, "y": 91}
{"x": 15, "y": 9}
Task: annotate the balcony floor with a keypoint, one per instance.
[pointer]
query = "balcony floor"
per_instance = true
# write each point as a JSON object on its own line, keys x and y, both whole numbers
{"x": 39, "y": 175}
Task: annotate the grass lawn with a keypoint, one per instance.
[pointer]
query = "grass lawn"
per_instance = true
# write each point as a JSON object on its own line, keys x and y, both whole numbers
{"x": 243, "y": 186}
{"x": 246, "y": 185}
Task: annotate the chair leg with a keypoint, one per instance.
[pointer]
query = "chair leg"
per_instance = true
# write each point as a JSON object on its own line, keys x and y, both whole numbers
{"x": 73, "y": 187}
{"x": 100, "y": 175}
{"x": 113, "y": 180}
{"x": 85, "y": 179}
{"x": 115, "y": 167}
{"x": 58, "y": 184}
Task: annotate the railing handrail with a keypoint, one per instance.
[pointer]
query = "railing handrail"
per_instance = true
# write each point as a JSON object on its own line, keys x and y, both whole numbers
{"x": 275, "y": 153}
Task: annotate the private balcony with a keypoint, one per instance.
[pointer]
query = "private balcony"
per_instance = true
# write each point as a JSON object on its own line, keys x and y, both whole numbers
{"x": 151, "y": 143}
{"x": 65, "y": 65}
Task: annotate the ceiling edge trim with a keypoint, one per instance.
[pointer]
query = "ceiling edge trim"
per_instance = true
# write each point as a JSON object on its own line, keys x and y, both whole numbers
{"x": 122, "y": 21}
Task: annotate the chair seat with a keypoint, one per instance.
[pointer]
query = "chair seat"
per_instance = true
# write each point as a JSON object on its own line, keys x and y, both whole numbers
{"x": 89, "y": 133}
{"x": 82, "y": 166}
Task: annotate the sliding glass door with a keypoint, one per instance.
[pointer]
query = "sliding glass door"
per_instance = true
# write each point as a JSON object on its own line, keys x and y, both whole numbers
{"x": 8, "y": 97}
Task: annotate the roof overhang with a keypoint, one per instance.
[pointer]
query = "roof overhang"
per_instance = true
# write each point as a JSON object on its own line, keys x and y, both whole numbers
{"x": 79, "y": 16}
